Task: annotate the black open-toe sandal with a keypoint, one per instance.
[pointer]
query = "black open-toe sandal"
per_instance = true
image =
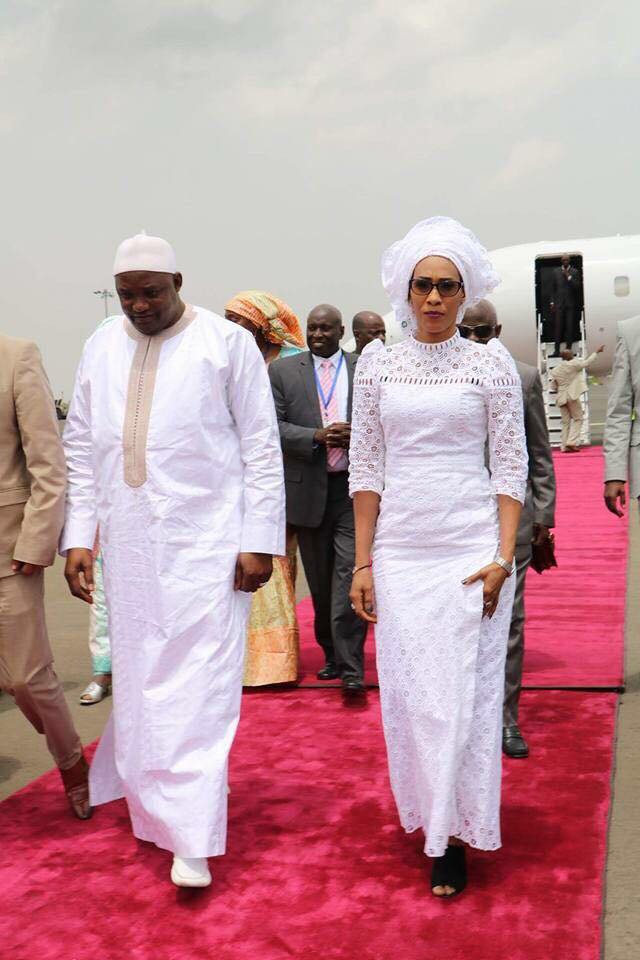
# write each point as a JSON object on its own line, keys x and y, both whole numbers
{"x": 456, "y": 870}
{"x": 449, "y": 870}
{"x": 439, "y": 875}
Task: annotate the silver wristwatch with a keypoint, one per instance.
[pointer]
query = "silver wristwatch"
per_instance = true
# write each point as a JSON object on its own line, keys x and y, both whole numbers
{"x": 506, "y": 566}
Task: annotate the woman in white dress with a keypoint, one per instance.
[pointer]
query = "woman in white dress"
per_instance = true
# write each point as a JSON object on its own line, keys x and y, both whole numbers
{"x": 435, "y": 541}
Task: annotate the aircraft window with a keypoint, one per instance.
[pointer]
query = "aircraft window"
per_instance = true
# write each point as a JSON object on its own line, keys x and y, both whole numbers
{"x": 621, "y": 286}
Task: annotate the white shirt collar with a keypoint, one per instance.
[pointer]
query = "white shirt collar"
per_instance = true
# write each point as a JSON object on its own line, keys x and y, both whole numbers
{"x": 334, "y": 360}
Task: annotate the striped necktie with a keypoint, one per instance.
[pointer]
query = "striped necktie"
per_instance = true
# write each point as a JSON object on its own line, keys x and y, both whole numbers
{"x": 336, "y": 457}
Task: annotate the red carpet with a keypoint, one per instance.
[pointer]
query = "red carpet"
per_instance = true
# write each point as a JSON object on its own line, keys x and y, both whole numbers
{"x": 575, "y": 613}
{"x": 317, "y": 865}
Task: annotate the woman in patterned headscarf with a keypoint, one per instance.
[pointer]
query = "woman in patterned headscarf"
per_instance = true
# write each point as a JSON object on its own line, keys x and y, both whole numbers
{"x": 272, "y": 323}
{"x": 272, "y": 638}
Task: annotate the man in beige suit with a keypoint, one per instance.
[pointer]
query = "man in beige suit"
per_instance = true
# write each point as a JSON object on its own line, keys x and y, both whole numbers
{"x": 570, "y": 383}
{"x": 622, "y": 433}
{"x": 32, "y": 489}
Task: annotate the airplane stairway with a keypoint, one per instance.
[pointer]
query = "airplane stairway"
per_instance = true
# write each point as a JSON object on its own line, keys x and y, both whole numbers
{"x": 546, "y": 364}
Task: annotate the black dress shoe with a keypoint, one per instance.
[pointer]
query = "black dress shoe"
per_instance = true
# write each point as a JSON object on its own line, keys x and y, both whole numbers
{"x": 328, "y": 672}
{"x": 513, "y": 743}
{"x": 352, "y": 685}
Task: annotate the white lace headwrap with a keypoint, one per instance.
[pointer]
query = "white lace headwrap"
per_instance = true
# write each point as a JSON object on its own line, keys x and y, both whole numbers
{"x": 436, "y": 237}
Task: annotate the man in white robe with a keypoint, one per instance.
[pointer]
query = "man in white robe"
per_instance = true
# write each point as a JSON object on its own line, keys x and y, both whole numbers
{"x": 173, "y": 449}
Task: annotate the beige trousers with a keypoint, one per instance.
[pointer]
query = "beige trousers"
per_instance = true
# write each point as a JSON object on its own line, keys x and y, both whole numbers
{"x": 26, "y": 666}
{"x": 572, "y": 417}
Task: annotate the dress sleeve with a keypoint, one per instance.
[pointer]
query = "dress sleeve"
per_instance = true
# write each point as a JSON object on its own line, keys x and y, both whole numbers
{"x": 366, "y": 450}
{"x": 508, "y": 457}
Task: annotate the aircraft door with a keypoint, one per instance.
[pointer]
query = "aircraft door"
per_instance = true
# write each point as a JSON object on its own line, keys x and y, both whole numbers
{"x": 560, "y": 299}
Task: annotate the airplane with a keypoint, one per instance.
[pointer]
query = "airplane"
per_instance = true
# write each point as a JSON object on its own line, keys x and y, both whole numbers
{"x": 609, "y": 268}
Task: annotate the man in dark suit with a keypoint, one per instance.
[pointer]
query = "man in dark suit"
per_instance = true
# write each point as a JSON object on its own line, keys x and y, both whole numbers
{"x": 566, "y": 304}
{"x": 538, "y": 515}
{"x": 312, "y": 393}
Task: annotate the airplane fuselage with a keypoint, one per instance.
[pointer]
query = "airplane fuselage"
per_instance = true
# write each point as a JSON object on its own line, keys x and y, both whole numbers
{"x": 606, "y": 300}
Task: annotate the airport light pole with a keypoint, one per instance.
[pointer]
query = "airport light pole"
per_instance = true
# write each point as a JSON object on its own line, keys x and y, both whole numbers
{"x": 104, "y": 294}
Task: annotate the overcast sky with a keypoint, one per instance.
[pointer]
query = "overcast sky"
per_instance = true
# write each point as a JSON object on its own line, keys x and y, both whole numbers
{"x": 284, "y": 143}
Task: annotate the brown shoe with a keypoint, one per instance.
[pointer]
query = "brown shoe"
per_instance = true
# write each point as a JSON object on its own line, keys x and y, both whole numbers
{"x": 76, "y": 787}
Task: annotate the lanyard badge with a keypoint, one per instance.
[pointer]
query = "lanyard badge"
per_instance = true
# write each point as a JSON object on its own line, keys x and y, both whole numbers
{"x": 326, "y": 400}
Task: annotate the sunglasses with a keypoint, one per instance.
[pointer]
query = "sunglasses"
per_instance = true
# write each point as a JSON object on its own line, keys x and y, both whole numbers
{"x": 422, "y": 286}
{"x": 483, "y": 331}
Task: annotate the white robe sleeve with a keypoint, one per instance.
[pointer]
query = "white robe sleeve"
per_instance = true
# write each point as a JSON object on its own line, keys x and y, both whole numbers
{"x": 367, "y": 449}
{"x": 80, "y": 513}
{"x": 509, "y": 461}
{"x": 252, "y": 408}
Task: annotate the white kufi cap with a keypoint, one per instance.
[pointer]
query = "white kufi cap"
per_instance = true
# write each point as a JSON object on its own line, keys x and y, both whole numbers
{"x": 441, "y": 237}
{"x": 144, "y": 253}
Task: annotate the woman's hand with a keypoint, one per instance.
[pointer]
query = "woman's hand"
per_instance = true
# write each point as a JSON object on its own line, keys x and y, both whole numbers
{"x": 493, "y": 576}
{"x": 361, "y": 595}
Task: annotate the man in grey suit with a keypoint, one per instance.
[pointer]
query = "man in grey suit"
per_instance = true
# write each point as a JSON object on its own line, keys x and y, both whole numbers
{"x": 622, "y": 431}
{"x": 312, "y": 393}
{"x": 480, "y": 323}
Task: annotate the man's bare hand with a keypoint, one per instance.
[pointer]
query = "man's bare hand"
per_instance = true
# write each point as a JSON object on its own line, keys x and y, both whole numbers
{"x": 78, "y": 573}
{"x": 335, "y": 435}
{"x": 26, "y": 569}
{"x": 339, "y": 435}
{"x": 252, "y": 571}
{"x": 614, "y": 491}
{"x": 540, "y": 534}
{"x": 600, "y": 349}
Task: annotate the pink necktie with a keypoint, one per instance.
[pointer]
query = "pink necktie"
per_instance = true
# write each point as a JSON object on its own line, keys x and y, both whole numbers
{"x": 336, "y": 457}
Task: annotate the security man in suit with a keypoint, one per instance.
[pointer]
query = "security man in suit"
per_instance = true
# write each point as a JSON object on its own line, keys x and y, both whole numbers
{"x": 367, "y": 326}
{"x": 566, "y": 304}
{"x": 480, "y": 323}
{"x": 32, "y": 490}
{"x": 622, "y": 431}
{"x": 312, "y": 393}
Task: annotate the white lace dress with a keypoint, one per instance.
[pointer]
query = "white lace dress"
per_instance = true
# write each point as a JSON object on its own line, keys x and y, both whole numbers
{"x": 421, "y": 417}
